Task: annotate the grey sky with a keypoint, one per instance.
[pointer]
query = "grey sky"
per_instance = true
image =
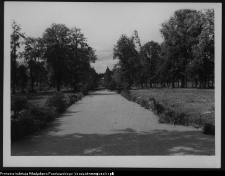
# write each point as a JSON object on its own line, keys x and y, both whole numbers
{"x": 101, "y": 23}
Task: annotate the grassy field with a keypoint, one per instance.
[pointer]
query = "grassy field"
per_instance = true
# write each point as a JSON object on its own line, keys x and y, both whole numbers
{"x": 192, "y": 102}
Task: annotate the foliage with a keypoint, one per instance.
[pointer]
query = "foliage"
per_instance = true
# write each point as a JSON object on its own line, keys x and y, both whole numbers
{"x": 22, "y": 77}
{"x": 67, "y": 55}
{"x": 107, "y": 78}
{"x": 149, "y": 59}
{"x": 169, "y": 114}
{"x": 84, "y": 89}
{"x": 44, "y": 114}
{"x": 15, "y": 42}
{"x": 209, "y": 129}
{"x": 185, "y": 56}
{"x": 112, "y": 85}
{"x": 72, "y": 99}
{"x": 32, "y": 54}
{"x": 28, "y": 122}
{"x": 126, "y": 52}
{"x": 57, "y": 101}
{"x": 17, "y": 105}
{"x": 33, "y": 118}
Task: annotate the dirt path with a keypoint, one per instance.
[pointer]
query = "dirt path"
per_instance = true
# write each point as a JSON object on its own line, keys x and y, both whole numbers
{"x": 105, "y": 123}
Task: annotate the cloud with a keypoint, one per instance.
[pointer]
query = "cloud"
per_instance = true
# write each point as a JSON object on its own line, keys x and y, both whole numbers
{"x": 101, "y": 65}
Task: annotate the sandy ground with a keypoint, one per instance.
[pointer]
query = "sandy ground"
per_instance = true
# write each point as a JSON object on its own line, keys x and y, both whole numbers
{"x": 105, "y": 123}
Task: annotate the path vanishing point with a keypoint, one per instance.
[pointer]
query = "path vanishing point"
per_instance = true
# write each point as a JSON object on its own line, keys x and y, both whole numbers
{"x": 105, "y": 123}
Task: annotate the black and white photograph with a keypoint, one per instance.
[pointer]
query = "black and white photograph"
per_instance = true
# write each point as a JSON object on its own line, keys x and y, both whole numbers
{"x": 112, "y": 84}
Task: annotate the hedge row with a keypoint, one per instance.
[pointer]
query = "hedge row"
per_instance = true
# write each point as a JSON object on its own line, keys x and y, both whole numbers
{"x": 28, "y": 118}
{"x": 171, "y": 115}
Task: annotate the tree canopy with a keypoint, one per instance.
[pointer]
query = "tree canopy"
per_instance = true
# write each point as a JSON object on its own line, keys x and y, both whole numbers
{"x": 61, "y": 56}
{"x": 186, "y": 55}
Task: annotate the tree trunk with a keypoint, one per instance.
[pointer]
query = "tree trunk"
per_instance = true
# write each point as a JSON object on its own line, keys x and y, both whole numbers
{"x": 32, "y": 85}
{"x": 185, "y": 78}
{"x": 168, "y": 84}
{"x": 14, "y": 73}
{"x": 208, "y": 82}
{"x": 75, "y": 86}
{"x": 146, "y": 84}
{"x": 150, "y": 83}
{"x": 196, "y": 83}
{"x": 173, "y": 83}
{"x": 182, "y": 82}
{"x": 58, "y": 84}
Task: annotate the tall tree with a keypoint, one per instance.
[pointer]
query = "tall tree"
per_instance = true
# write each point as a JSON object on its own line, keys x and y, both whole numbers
{"x": 150, "y": 55}
{"x": 126, "y": 52}
{"x": 180, "y": 39}
{"x": 32, "y": 54}
{"x": 15, "y": 43}
{"x": 204, "y": 50}
{"x": 77, "y": 46}
{"x": 56, "y": 41}
{"x": 22, "y": 76}
{"x": 107, "y": 77}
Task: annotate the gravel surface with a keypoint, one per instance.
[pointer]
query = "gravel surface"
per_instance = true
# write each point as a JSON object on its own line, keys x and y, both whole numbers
{"x": 105, "y": 123}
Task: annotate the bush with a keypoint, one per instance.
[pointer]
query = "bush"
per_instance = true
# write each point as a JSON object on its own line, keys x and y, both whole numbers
{"x": 209, "y": 129}
{"x": 133, "y": 98}
{"x": 158, "y": 108}
{"x": 16, "y": 130}
{"x": 144, "y": 103}
{"x": 44, "y": 114}
{"x": 72, "y": 99}
{"x": 125, "y": 94}
{"x": 27, "y": 122}
{"x": 112, "y": 85}
{"x": 84, "y": 89}
{"x": 198, "y": 121}
{"x": 119, "y": 90}
{"x": 57, "y": 101}
{"x": 18, "y": 104}
{"x": 138, "y": 101}
{"x": 80, "y": 96}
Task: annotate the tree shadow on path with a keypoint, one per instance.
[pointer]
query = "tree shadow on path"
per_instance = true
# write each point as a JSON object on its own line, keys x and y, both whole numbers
{"x": 120, "y": 143}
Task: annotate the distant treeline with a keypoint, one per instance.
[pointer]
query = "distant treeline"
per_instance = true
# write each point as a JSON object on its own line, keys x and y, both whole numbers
{"x": 185, "y": 56}
{"x": 60, "y": 58}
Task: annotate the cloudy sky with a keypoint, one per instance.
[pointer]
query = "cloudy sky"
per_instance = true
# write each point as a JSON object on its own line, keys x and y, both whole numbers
{"x": 101, "y": 23}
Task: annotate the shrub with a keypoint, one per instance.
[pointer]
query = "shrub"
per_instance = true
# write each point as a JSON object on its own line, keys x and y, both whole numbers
{"x": 138, "y": 100}
{"x": 158, "y": 108}
{"x": 72, "y": 99}
{"x": 18, "y": 104}
{"x": 16, "y": 130}
{"x": 84, "y": 89}
{"x": 134, "y": 99}
{"x": 144, "y": 103}
{"x": 27, "y": 123}
{"x": 112, "y": 85}
{"x": 119, "y": 90}
{"x": 44, "y": 114}
{"x": 80, "y": 96}
{"x": 57, "y": 101}
{"x": 50, "y": 114}
{"x": 209, "y": 129}
{"x": 125, "y": 94}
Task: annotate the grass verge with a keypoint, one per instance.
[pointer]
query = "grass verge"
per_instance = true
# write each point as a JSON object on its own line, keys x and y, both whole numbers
{"x": 188, "y": 107}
